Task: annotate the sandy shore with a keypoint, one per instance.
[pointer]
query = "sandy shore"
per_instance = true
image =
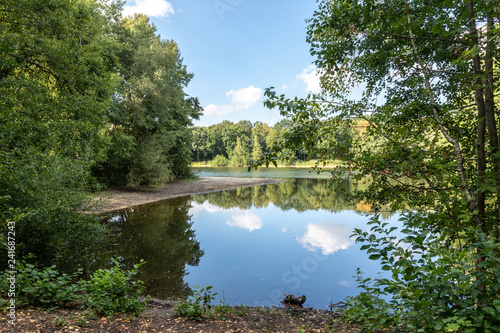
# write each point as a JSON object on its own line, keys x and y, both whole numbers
{"x": 119, "y": 199}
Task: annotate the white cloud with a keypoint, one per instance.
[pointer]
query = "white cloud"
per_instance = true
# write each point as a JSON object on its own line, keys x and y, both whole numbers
{"x": 153, "y": 8}
{"x": 284, "y": 87}
{"x": 245, "y": 220}
{"x": 218, "y": 110}
{"x": 240, "y": 99}
{"x": 328, "y": 237}
{"x": 311, "y": 77}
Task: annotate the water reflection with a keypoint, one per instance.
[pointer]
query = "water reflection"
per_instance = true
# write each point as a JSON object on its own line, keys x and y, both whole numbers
{"x": 245, "y": 220}
{"x": 301, "y": 194}
{"x": 327, "y": 237}
{"x": 161, "y": 234}
{"x": 252, "y": 244}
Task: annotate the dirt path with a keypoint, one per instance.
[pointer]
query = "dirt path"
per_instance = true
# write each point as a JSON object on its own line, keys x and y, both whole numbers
{"x": 123, "y": 198}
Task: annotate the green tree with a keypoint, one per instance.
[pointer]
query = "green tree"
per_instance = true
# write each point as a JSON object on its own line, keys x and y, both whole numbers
{"x": 56, "y": 79}
{"x": 427, "y": 69}
{"x": 150, "y": 115}
{"x": 275, "y": 139}
{"x": 239, "y": 154}
{"x": 257, "y": 150}
{"x": 262, "y": 131}
{"x": 199, "y": 143}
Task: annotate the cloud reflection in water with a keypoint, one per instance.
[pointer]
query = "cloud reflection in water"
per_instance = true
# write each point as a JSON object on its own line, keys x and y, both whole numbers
{"x": 239, "y": 218}
{"x": 328, "y": 237}
{"x": 245, "y": 220}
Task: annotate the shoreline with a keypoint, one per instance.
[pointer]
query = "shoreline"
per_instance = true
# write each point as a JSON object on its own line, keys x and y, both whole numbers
{"x": 329, "y": 166}
{"x": 115, "y": 199}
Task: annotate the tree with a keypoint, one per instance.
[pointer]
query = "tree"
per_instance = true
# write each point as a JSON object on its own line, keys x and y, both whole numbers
{"x": 257, "y": 150}
{"x": 262, "y": 130}
{"x": 199, "y": 142}
{"x": 56, "y": 77}
{"x": 427, "y": 69}
{"x": 239, "y": 154}
{"x": 150, "y": 115}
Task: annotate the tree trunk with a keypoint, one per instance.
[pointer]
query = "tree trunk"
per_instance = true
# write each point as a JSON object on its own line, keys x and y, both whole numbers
{"x": 481, "y": 125}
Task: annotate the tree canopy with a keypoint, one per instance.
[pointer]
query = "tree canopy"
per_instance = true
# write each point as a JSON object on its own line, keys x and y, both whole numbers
{"x": 150, "y": 113}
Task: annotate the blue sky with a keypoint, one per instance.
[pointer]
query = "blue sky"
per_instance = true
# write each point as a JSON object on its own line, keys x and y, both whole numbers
{"x": 236, "y": 49}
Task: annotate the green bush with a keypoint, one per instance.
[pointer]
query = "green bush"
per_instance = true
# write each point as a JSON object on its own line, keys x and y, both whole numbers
{"x": 45, "y": 288}
{"x": 113, "y": 290}
{"x": 219, "y": 160}
{"x": 434, "y": 286}
{"x": 196, "y": 306}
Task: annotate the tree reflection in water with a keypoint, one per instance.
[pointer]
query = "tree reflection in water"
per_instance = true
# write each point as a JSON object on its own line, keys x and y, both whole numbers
{"x": 162, "y": 233}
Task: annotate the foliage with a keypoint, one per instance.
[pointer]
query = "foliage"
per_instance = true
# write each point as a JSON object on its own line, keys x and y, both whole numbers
{"x": 255, "y": 139}
{"x": 114, "y": 290}
{"x": 85, "y": 94}
{"x": 150, "y": 113}
{"x": 44, "y": 288}
{"x": 55, "y": 82}
{"x": 257, "y": 149}
{"x": 219, "y": 160}
{"x": 239, "y": 154}
{"x": 424, "y": 136}
{"x": 196, "y": 306}
{"x": 107, "y": 292}
{"x": 433, "y": 286}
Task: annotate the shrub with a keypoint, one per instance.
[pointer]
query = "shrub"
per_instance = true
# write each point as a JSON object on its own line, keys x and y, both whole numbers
{"x": 219, "y": 160}
{"x": 196, "y": 306}
{"x": 113, "y": 290}
{"x": 434, "y": 287}
{"x": 45, "y": 288}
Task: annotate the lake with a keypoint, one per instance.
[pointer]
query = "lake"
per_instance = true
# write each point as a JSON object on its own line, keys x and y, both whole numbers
{"x": 251, "y": 244}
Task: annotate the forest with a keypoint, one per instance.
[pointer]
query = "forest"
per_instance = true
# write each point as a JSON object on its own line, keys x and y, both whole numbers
{"x": 244, "y": 142}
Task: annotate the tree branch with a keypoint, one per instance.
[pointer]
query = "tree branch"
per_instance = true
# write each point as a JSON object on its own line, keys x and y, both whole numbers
{"x": 435, "y": 116}
{"x": 42, "y": 68}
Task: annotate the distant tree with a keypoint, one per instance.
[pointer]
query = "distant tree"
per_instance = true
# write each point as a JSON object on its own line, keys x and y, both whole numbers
{"x": 262, "y": 131}
{"x": 257, "y": 150}
{"x": 199, "y": 143}
{"x": 220, "y": 160}
{"x": 239, "y": 154}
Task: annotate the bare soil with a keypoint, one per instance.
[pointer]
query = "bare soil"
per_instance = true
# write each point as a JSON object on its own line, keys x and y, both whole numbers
{"x": 159, "y": 317}
{"x": 123, "y": 198}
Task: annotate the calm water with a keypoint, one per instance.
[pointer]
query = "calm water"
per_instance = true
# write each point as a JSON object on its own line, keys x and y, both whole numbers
{"x": 251, "y": 244}
{"x": 262, "y": 172}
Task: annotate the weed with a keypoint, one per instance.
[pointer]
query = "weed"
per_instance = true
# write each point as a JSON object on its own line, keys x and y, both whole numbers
{"x": 113, "y": 290}
{"x": 45, "y": 288}
{"x": 60, "y": 321}
{"x": 196, "y": 306}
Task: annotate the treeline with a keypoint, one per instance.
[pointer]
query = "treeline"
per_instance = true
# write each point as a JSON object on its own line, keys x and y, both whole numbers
{"x": 229, "y": 143}
{"x": 87, "y": 98}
